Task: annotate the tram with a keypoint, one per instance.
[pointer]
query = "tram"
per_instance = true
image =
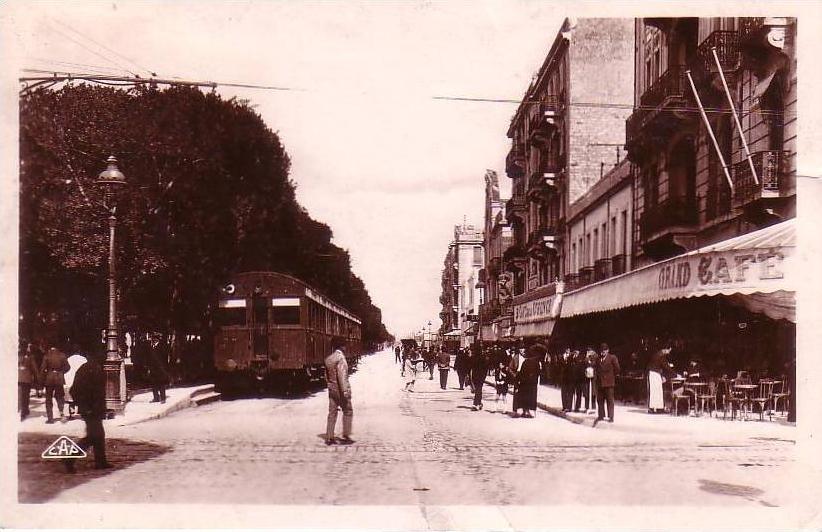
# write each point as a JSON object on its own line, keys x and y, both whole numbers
{"x": 270, "y": 325}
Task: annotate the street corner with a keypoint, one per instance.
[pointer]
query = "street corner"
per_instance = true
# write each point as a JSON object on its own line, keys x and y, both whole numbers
{"x": 40, "y": 480}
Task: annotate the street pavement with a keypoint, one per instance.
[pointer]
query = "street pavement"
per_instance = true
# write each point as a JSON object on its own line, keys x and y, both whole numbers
{"x": 427, "y": 454}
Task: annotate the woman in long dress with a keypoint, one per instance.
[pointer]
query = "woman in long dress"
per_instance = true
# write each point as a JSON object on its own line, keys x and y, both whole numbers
{"x": 410, "y": 370}
{"x": 525, "y": 396}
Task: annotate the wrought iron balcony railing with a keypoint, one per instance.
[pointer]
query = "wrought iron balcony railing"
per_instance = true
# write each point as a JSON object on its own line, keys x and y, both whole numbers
{"x": 727, "y": 49}
{"x": 769, "y": 168}
{"x": 619, "y": 264}
{"x": 515, "y": 161}
{"x": 672, "y": 84}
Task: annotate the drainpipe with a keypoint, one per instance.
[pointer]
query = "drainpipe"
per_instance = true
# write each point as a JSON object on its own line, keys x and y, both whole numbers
{"x": 736, "y": 117}
{"x": 710, "y": 131}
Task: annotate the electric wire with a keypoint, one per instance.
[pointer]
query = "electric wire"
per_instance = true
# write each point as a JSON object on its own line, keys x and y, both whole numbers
{"x": 103, "y": 46}
{"x": 98, "y": 54}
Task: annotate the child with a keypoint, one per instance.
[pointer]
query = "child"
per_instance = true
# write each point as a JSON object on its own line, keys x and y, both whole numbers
{"x": 501, "y": 383}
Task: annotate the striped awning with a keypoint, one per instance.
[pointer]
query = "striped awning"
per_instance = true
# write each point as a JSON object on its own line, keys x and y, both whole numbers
{"x": 757, "y": 264}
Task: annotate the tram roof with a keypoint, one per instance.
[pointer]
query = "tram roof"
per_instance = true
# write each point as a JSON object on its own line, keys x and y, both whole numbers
{"x": 311, "y": 292}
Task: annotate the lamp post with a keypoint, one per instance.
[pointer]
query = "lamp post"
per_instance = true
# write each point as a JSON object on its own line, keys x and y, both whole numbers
{"x": 481, "y": 287}
{"x": 112, "y": 180}
{"x": 429, "y": 335}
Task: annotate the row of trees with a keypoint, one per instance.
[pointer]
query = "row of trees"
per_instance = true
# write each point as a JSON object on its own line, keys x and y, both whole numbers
{"x": 208, "y": 194}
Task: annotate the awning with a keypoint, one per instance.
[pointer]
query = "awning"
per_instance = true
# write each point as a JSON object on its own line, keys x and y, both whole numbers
{"x": 755, "y": 264}
{"x": 536, "y": 313}
{"x": 456, "y": 333}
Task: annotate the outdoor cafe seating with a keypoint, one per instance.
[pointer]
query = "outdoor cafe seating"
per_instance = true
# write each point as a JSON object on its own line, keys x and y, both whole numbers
{"x": 740, "y": 397}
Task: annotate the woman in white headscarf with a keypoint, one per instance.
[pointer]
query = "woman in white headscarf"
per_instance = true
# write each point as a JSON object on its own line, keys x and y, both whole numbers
{"x": 410, "y": 370}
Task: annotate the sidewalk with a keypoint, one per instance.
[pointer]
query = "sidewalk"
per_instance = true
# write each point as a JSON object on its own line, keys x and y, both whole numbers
{"x": 139, "y": 409}
{"x": 635, "y": 418}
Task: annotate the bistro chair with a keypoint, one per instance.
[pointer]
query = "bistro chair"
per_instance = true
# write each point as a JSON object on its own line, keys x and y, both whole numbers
{"x": 781, "y": 392}
{"x": 678, "y": 396}
{"x": 739, "y": 399}
{"x": 763, "y": 397}
{"x": 708, "y": 398}
{"x": 723, "y": 395}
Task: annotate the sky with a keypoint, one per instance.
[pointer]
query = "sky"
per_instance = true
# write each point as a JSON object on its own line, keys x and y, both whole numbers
{"x": 389, "y": 168}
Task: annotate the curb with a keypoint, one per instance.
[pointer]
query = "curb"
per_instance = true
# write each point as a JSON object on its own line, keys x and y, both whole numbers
{"x": 206, "y": 391}
{"x": 554, "y": 411}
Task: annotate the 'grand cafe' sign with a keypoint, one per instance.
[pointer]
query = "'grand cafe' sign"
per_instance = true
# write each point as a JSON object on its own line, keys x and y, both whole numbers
{"x": 718, "y": 271}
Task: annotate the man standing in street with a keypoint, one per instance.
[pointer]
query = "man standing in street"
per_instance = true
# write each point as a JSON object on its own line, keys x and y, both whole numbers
{"x": 26, "y": 379}
{"x": 55, "y": 366}
{"x": 479, "y": 370}
{"x": 157, "y": 359}
{"x": 443, "y": 363}
{"x": 89, "y": 393}
{"x": 606, "y": 372}
{"x": 397, "y": 354}
{"x": 339, "y": 393}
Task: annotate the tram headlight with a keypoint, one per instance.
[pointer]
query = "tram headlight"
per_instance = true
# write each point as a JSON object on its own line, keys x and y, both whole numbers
{"x": 229, "y": 288}
{"x": 231, "y": 364}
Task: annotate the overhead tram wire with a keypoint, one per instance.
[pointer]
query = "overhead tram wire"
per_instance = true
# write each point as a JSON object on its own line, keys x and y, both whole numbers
{"x": 103, "y": 46}
{"x": 98, "y": 54}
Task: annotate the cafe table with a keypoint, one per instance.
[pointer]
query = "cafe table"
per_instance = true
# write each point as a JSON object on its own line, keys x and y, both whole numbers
{"x": 698, "y": 388}
{"x": 746, "y": 390}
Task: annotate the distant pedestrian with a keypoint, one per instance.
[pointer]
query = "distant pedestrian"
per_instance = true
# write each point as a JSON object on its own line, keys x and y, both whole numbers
{"x": 566, "y": 379}
{"x": 525, "y": 396}
{"x": 591, "y": 360}
{"x": 606, "y": 371}
{"x": 443, "y": 364}
{"x": 397, "y": 357}
{"x": 579, "y": 382}
{"x": 410, "y": 370}
{"x": 479, "y": 370}
{"x": 657, "y": 367}
{"x": 55, "y": 366}
{"x": 501, "y": 380}
{"x": 339, "y": 393}
{"x": 157, "y": 369}
{"x": 26, "y": 379}
{"x": 461, "y": 367}
{"x": 89, "y": 393}
{"x": 430, "y": 361}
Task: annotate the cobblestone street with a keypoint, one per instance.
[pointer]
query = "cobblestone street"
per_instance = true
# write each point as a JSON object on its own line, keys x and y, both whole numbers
{"x": 424, "y": 448}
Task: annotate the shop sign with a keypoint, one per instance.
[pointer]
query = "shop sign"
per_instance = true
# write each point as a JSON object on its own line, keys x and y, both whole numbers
{"x": 709, "y": 271}
{"x": 539, "y": 309}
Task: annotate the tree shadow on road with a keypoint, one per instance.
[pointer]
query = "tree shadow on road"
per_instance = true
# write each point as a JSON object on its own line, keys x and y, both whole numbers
{"x": 39, "y": 479}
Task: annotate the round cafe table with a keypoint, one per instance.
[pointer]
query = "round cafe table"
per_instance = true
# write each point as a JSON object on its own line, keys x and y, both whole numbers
{"x": 746, "y": 389}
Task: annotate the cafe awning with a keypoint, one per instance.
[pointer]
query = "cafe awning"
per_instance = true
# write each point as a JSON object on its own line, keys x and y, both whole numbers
{"x": 755, "y": 269}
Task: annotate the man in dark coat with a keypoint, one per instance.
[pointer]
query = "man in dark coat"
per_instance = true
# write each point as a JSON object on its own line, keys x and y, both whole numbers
{"x": 606, "y": 372}
{"x": 479, "y": 370}
{"x": 566, "y": 379}
{"x": 89, "y": 393}
{"x": 55, "y": 366}
{"x": 26, "y": 379}
{"x": 461, "y": 367}
{"x": 158, "y": 374}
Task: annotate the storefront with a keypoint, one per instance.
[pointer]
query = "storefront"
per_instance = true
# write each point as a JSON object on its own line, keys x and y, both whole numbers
{"x": 730, "y": 306}
{"x": 536, "y": 312}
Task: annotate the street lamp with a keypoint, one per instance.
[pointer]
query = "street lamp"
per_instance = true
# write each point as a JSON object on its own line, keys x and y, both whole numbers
{"x": 112, "y": 180}
{"x": 481, "y": 287}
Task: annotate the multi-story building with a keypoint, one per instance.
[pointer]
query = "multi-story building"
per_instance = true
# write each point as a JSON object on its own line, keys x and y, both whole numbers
{"x": 496, "y": 311}
{"x": 712, "y": 188}
{"x": 565, "y": 134}
{"x": 699, "y": 182}
{"x": 599, "y": 229}
{"x": 460, "y": 296}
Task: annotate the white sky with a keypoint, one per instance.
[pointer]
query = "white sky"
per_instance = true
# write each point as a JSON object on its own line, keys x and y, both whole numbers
{"x": 373, "y": 155}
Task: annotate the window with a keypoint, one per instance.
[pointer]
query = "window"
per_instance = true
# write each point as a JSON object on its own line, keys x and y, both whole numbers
{"x": 604, "y": 233}
{"x": 588, "y": 249}
{"x": 613, "y": 250}
{"x": 574, "y": 257}
{"x": 581, "y": 257}
{"x": 596, "y": 245}
{"x": 477, "y": 255}
{"x": 228, "y": 317}
{"x": 285, "y": 315}
{"x": 624, "y": 243}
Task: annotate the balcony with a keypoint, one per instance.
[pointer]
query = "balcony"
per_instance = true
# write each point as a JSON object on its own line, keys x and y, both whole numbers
{"x": 585, "y": 276}
{"x": 542, "y": 241}
{"x": 668, "y": 228}
{"x": 493, "y": 267}
{"x": 544, "y": 122}
{"x": 545, "y": 180}
{"x": 727, "y": 49}
{"x": 515, "y": 161}
{"x": 663, "y": 110}
{"x": 768, "y": 166}
{"x": 602, "y": 269}
{"x": 514, "y": 258}
{"x": 516, "y": 207}
{"x": 571, "y": 281}
{"x": 619, "y": 264}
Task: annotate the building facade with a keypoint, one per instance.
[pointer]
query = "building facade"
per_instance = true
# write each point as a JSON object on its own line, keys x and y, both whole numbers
{"x": 461, "y": 297}
{"x": 496, "y": 311}
{"x": 695, "y": 182}
{"x": 564, "y": 137}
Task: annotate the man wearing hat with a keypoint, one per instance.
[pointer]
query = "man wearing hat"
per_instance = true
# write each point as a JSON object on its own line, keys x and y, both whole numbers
{"x": 606, "y": 372}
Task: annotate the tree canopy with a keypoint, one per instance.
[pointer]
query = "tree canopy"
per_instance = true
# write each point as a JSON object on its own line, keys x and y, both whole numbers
{"x": 208, "y": 194}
